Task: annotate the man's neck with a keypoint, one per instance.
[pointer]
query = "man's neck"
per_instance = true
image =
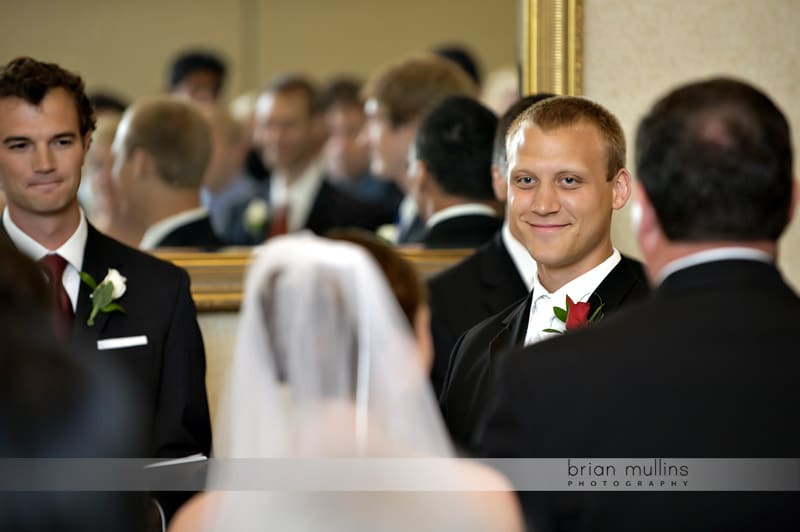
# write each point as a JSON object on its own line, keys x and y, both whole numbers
{"x": 49, "y": 231}
{"x": 173, "y": 201}
{"x": 553, "y": 278}
{"x": 291, "y": 173}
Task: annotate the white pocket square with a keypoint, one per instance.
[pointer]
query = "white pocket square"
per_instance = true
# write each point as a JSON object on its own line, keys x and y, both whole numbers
{"x": 121, "y": 342}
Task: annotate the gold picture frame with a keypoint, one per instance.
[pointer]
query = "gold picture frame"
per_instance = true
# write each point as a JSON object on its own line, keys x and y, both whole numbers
{"x": 551, "y": 47}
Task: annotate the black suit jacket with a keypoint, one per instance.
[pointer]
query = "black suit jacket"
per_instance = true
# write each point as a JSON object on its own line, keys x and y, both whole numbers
{"x": 171, "y": 366}
{"x": 469, "y": 231}
{"x": 493, "y": 282}
{"x": 195, "y": 234}
{"x": 332, "y": 208}
{"x": 170, "y": 369}
{"x": 708, "y": 367}
{"x": 468, "y": 386}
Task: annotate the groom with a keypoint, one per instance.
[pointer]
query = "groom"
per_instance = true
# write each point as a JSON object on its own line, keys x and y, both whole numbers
{"x": 46, "y": 122}
{"x": 566, "y": 175}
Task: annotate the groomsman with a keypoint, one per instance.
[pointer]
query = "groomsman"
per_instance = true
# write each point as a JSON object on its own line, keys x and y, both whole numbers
{"x": 151, "y": 330}
{"x": 708, "y": 366}
{"x": 566, "y": 176}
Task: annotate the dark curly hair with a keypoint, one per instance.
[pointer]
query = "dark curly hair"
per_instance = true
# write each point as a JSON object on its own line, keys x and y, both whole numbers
{"x": 31, "y": 80}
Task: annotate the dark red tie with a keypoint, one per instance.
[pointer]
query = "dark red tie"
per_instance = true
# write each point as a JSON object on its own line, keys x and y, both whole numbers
{"x": 61, "y": 312}
{"x": 279, "y": 225}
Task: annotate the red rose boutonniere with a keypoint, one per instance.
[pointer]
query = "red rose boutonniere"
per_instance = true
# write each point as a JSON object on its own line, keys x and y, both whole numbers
{"x": 576, "y": 315}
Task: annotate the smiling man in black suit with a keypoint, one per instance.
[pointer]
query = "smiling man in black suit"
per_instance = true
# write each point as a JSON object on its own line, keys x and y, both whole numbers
{"x": 566, "y": 176}
{"x": 46, "y": 123}
{"x": 708, "y": 366}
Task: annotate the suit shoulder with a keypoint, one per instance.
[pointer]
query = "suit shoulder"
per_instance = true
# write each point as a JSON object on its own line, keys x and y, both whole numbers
{"x": 454, "y": 276}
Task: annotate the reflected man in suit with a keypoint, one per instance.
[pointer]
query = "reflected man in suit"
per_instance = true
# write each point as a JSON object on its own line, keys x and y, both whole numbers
{"x": 398, "y": 97}
{"x": 499, "y": 273}
{"x": 566, "y": 176}
{"x": 161, "y": 152}
{"x": 289, "y": 128}
{"x": 687, "y": 372}
{"x": 451, "y": 167}
{"x": 46, "y": 122}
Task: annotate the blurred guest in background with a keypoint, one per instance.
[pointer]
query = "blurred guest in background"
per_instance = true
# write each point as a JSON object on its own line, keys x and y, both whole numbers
{"x": 398, "y": 97}
{"x": 161, "y": 153}
{"x": 347, "y": 159}
{"x": 290, "y": 130}
{"x": 226, "y": 182}
{"x": 451, "y": 173}
{"x": 198, "y": 75}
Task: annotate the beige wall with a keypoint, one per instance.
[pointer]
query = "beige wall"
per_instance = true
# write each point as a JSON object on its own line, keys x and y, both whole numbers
{"x": 635, "y": 51}
{"x": 127, "y": 45}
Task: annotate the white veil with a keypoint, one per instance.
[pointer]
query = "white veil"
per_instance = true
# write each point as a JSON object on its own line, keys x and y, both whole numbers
{"x": 325, "y": 362}
{"x": 326, "y": 366}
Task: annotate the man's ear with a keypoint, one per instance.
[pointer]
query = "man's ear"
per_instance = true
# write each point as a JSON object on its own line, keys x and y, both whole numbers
{"x": 621, "y": 189}
{"x": 499, "y": 184}
{"x": 142, "y": 164}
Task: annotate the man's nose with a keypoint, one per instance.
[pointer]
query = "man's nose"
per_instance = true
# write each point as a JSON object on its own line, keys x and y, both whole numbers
{"x": 44, "y": 161}
{"x": 545, "y": 200}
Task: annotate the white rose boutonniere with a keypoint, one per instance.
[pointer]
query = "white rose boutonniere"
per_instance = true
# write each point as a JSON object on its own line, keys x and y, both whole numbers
{"x": 255, "y": 216}
{"x": 103, "y": 294}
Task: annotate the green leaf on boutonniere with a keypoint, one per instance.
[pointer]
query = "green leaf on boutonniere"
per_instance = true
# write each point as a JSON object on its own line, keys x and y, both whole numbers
{"x": 89, "y": 280}
{"x": 553, "y": 331}
{"x": 100, "y": 298}
{"x": 560, "y": 313}
{"x": 597, "y": 314}
{"x": 112, "y": 307}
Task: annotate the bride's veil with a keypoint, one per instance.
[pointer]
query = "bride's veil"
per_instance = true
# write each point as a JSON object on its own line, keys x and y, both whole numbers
{"x": 325, "y": 362}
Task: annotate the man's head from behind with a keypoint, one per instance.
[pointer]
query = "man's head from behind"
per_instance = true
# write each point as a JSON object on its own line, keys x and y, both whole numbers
{"x": 197, "y": 75}
{"x": 160, "y": 144}
{"x": 453, "y": 154}
{"x": 398, "y": 97}
{"x": 715, "y": 161}
{"x": 287, "y": 124}
{"x": 566, "y": 176}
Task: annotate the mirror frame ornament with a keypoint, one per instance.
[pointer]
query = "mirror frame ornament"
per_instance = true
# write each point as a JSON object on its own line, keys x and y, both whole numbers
{"x": 218, "y": 278}
{"x": 551, "y": 48}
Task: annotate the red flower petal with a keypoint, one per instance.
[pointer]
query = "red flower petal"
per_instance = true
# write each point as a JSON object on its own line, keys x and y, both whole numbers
{"x": 577, "y": 314}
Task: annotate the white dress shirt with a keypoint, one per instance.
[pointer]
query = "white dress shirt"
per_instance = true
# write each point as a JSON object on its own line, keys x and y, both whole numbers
{"x": 579, "y": 290}
{"x": 465, "y": 209}
{"x": 713, "y": 255}
{"x": 299, "y": 197}
{"x": 71, "y": 250}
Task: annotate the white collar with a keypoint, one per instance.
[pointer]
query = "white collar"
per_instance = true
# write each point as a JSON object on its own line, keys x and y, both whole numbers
{"x": 71, "y": 250}
{"x": 299, "y": 196}
{"x": 583, "y": 286}
{"x": 522, "y": 259}
{"x": 156, "y": 232}
{"x": 465, "y": 209}
{"x": 713, "y": 255}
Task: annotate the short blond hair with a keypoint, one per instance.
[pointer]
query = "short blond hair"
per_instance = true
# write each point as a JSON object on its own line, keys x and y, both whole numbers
{"x": 411, "y": 87}
{"x": 561, "y": 111}
{"x": 175, "y": 133}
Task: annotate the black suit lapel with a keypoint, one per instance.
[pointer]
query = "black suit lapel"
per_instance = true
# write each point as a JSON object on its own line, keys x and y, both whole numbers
{"x": 96, "y": 262}
{"x": 500, "y": 277}
{"x": 626, "y": 278}
{"x": 515, "y": 326}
